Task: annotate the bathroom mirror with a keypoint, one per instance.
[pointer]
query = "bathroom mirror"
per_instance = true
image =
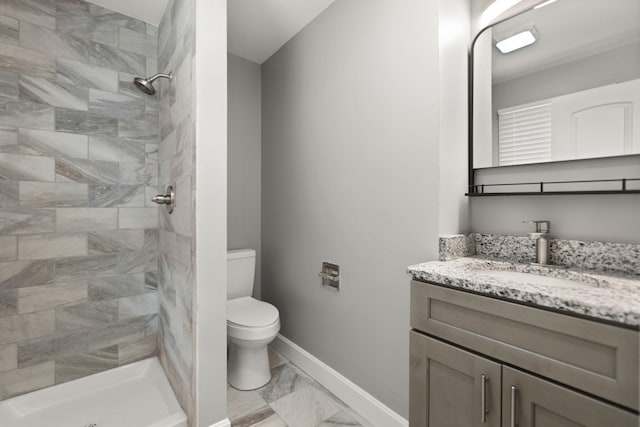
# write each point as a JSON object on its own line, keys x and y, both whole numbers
{"x": 572, "y": 92}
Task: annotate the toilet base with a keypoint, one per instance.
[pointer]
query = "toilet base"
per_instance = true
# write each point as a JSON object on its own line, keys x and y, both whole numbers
{"x": 248, "y": 367}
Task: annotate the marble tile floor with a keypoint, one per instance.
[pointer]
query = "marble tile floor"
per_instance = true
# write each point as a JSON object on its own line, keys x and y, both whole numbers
{"x": 291, "y": 399}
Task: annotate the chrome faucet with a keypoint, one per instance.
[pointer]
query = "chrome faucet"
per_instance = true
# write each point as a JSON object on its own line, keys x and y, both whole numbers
{"x": 541, "y": 237}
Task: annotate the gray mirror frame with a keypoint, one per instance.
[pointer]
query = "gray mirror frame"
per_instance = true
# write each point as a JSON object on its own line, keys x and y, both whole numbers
{"x": 475, "y": 190}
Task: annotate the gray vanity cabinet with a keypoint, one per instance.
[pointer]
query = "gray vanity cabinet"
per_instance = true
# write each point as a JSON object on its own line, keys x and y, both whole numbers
{"x": 451, "y": 387}
{"x": 561, "y": 370}
{"x": 529, "y": 401}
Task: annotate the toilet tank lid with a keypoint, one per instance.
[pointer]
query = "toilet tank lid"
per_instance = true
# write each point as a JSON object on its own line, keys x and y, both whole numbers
{"x": 241, "y": 253}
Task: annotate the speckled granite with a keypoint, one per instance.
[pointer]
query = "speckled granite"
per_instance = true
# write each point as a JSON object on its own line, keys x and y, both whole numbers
{"x": 456, "y": 246}
{"x": 613, "y": 296}
{"x": 513, "y": 248}
{"x": 600, "y": 256}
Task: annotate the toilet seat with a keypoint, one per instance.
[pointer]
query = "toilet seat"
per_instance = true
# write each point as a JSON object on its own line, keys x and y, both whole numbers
{"x": 250, "y": 319}
{"x": 248, "y": 312}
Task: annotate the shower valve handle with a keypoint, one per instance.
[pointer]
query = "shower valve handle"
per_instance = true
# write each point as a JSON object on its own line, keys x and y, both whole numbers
{"x": 168, "y": 199}
{"x": 161, "y": 200}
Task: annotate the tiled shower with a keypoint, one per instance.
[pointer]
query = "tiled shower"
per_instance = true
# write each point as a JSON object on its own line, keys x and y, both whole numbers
{"x": 78, "y": 164}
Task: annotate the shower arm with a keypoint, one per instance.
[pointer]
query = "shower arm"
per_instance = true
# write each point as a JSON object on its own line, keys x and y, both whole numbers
{"x": 160, "y": 75}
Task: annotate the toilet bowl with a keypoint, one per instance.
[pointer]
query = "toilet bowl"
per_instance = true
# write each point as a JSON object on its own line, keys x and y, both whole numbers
{"x": 251, "y": 325}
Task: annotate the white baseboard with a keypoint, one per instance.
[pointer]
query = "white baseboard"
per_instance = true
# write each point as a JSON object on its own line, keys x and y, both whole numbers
{"x": 359, "y": 400}
{"x": 223, "y": 423}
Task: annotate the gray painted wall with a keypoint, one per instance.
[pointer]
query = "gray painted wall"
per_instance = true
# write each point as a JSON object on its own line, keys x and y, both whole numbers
{"x": 351, "y": 174}
{"x": 78, "y": 155}
{"x": 454, "y": 47}
{"x": 244, "y": 157}
{"x": 612, "y": 218}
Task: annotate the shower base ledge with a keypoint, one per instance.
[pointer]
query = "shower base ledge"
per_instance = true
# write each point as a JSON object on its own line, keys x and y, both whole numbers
{"x": 135, "y": 395}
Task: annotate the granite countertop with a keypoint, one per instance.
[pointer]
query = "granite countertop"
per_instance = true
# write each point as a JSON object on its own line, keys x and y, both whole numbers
{"x": 608, "y": 296}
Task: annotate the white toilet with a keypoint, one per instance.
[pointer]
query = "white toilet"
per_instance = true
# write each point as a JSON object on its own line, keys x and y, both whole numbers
{"x": 251, "y": 324}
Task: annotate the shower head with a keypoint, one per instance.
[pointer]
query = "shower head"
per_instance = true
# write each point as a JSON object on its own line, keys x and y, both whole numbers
{"x": 146, "y": 84}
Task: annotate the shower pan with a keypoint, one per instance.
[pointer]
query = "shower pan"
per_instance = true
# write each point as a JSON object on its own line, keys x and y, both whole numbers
{"x": 133, "y": 395}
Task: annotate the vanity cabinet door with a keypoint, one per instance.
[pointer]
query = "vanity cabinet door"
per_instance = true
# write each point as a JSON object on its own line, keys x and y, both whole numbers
{"x": 528, "y": 401}
{"x": 447, "y": 388}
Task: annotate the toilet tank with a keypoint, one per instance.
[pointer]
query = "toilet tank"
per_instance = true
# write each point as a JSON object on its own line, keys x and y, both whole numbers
{"x": 241, "y": 267}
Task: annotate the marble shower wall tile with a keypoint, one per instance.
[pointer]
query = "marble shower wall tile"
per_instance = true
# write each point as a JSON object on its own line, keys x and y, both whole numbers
{"x": 78, "y": 154}
{"x": 26, "y": 221}
{"x": 116, "y": 105}
{"x": 51, "y": 245}
{"x": 27, "y": 62}
{"x": 25, "y": 273}
{"x": 137, "y": 350}
{"x": 8, "y": 302}
{"x": 8, "y": 357}
{"x": 120, "y": 332}
{"x": 52, "y": 144}
{"x": 115, "y": 241}
{"x": 119, "y": 196}
{"x": 136, "y": 42}
{"x": 8, "y": 248}
{"x": 49, "y": 41}
{"x": 90, "y": 315}
{"x": 87, "y": 123}
{"x": 42, "y": 349}
{"x": 138, "y": 130}
{"x": 175, "y": 278}
{"x": 132, "y": 218}
{"x": 78, "y": 15}
{"x": 51, "y": 92}
{"x": 8, "y": 138}
{"x": 20, "y": 381}
{"x": 85, "y": 267}
{"x": 40, "y": 12}
{"x": 138, "y": 174}
{"x": 87, "y": 171}
{"x": 9, "y": 30}
{"x": 21, "y": 113}
{"x": 68, "y": 46}
{"x": 9, "y": 84}
{"x": 116, "y": 149}
{"x": 26, "y": 168}
{"x": 8, "y": 194}
{"x": 80, "y": 364}
{"x": 51, "y": 195}
{"x": 24, "y": 327}
{"x": 54, "y": 295}
{"x": 115, "y": 287}
{"x": 86, "y": 75}
{"x": 86, "y": 219}
{"x": 139, "y": 305}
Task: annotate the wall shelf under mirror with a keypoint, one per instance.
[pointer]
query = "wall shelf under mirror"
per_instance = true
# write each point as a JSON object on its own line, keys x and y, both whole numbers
{"x": 552, "y": 101}
{"x": 547, "y": 188}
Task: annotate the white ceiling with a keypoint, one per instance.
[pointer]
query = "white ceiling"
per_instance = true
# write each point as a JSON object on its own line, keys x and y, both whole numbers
{"x": 150, "y": 11}
{"x": 258, "y": 28}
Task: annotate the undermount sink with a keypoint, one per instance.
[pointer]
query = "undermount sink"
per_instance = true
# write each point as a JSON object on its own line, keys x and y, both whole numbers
{"x": 531, "y": 279}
